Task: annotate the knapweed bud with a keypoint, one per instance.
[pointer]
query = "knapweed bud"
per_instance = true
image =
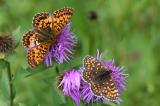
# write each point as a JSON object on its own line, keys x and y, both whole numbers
{"x": 6, "y": 43}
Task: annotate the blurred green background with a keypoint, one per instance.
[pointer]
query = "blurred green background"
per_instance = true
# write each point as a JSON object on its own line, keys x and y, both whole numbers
{"x": 126, "y": 30}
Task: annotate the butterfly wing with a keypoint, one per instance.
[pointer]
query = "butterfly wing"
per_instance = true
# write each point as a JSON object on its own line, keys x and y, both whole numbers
{"x": 32, "y": 39}
{"x": 42, "y": 21}
{"x": 110, "y": 91}
{"x": 37, "y": 54}
{"x": 99, "y": 78}
{"x": 92, "y": 64}
{"x": 37, "y": 48}
{"x": 96, "y": 89}
{"x": 92, "y": 67}
{"x": 87, "y": 76}
{"x": 60, "y": 18}
{"x": 88, "y": 69}
{"x": 47, "y": 22}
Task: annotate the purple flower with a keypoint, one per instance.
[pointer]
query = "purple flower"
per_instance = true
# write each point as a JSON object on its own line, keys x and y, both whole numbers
{"x": 75, "y": 86}
{"x": 69, "y": 83}
{"x": 63, "y": 49}
{"x": 118, "y": 77}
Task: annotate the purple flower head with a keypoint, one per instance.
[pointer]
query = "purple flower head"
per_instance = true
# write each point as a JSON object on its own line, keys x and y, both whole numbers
{"x": 63, "y": 49}
{"x": 117, "y": 76}
{"x": 69, "y": 83}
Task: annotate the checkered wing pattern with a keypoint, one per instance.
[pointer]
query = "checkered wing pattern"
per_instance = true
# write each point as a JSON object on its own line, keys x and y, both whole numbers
{"x": 60, "y": 18}
{"x": 109, "y": 90}
{"x": 42, "y": 21}
{"x": 32, "y": 39}
{"x": 37, "y": 54}
{"x": 99, "y": 78}
{"x": 45, "y": 28}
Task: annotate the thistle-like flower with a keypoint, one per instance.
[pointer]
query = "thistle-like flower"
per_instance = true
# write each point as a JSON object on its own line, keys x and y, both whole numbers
{"x": 102, "y": 80}
{"x": 97, "y": 81}
{"x": 62, "y": 50}
{"x": 69, "y": 83}
{"x": 6, "y": 43}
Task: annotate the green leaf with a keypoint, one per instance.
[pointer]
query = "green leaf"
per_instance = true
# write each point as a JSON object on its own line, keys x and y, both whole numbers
{"x": 4, "y": 87}
{"x": 2, "y": 64}
{"x": 57, "y": 101}
{"x": 2, "y": 55}
{"x": 11, "y": 57}
{"x": 17, "y": 34}
{"x": 21, "y": 104}
{"x": 20, "y": 74}
{"x": 36, "y": 70}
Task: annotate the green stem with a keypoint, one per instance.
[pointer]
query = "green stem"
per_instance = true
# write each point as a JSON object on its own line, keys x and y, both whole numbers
{"x": 10, "y": 82}
{"x": 57, "y": 70}
{"x": 86, "y": 104}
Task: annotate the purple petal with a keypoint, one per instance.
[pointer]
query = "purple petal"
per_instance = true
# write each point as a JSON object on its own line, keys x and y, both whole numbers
{"x": 63, "y": 49}
{"x": 71, "y": 85}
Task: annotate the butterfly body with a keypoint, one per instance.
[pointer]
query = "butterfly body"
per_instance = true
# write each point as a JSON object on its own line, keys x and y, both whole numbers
{"x": 99, "y": 79}
{"x": 46, "y": 28}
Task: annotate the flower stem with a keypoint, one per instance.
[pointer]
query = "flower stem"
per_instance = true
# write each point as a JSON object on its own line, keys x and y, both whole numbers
{"x": 10, "y": 82}
{"x": 57, "y": 70}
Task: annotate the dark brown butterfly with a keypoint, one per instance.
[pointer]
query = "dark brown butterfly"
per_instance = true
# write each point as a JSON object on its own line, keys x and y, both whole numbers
{"x": 100, "y": 79}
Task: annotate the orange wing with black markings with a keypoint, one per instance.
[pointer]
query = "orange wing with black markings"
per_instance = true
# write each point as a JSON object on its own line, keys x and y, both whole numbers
{"x": 45, "y": 27}
{"x": 42, "y": 21}
{"x": 96, "y": 89}
{"x": 37, "y": 54}
{"x": 109, "y": 90}
{"x": 60, "y": 18}
{"x": 32, "y": 39}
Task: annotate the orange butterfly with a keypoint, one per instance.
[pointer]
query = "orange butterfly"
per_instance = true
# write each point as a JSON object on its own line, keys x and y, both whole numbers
{"x": 46, "y": 26}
